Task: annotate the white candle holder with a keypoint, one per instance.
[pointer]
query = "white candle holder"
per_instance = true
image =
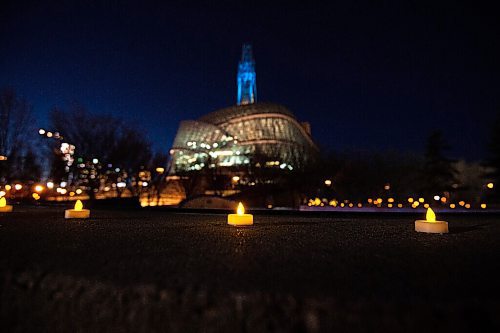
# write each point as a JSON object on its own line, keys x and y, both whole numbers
{"x": 430, "y": 225}
{"x": 438, "y": 227}
{"x": 78, "y": 212}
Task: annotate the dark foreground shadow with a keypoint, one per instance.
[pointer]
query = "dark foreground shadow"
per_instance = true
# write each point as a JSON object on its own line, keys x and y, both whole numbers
{"x": 294, "y": 223}
{"x": 459, "y": 230}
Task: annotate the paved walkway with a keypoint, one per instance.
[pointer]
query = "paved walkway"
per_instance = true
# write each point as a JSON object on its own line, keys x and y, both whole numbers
{"x": 157, "y": 271}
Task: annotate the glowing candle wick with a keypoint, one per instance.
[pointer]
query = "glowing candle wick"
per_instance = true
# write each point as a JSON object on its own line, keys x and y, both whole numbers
{"x": 430, "y": 216}
{"x": 240, "y": 210}
{"x": 78, "y": 205}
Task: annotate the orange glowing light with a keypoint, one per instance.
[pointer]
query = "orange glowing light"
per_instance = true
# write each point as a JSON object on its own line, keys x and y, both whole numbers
{"x": 430, "y": 216}
{"x": 240, "y": 218}
{"x": 78, "y": 205}
{"x": 4, "y": 208}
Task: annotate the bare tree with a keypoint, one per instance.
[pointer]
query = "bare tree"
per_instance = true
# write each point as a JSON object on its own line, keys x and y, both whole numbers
{"x": 16, "y": 133}
{"x": 493, "y": 157}
{"x": 159, "y": 169}
{"x": 108, "y": 151}
{"x": 438, "y": 173}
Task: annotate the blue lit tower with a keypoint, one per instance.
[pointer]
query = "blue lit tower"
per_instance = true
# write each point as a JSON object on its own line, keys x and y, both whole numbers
{"x": 247, "y": 79}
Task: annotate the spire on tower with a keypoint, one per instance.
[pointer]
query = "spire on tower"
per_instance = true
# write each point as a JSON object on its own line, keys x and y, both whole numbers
{"x": 246, "y": 79}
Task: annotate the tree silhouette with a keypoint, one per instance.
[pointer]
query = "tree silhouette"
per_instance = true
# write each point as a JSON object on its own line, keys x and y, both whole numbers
{"x": 493, "y": 159}
{"x": 107, "y": 150}
{"x": 438, "y": 173}
{"x": 30, "y": 170}
{"x": 17, "y": 135}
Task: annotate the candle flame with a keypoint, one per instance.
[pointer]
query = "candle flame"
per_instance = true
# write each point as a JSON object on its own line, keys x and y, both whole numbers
{"x": 241, "y": 209}
{"x": 430, "y": 216}
{"x": 78, "y": 205}
{"x": 3, "y": 202}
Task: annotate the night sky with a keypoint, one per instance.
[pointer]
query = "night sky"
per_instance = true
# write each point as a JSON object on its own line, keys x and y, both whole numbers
{"x": 367, "y": 77}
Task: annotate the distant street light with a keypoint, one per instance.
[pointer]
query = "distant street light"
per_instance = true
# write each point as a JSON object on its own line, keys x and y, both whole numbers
{"x": 49, "y": 134}
{"x": 39, "y": 188}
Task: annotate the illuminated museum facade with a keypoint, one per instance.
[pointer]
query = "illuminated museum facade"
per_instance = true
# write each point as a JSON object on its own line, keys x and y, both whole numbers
{"x": 245, "y": 136}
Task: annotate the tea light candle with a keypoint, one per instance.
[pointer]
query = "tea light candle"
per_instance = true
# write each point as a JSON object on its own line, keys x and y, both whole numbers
{"x": 430, "y": 225}
{"x": 4, "y": 208}
{"x": 78, "y": 212}
{"x": 240, "y": 218}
